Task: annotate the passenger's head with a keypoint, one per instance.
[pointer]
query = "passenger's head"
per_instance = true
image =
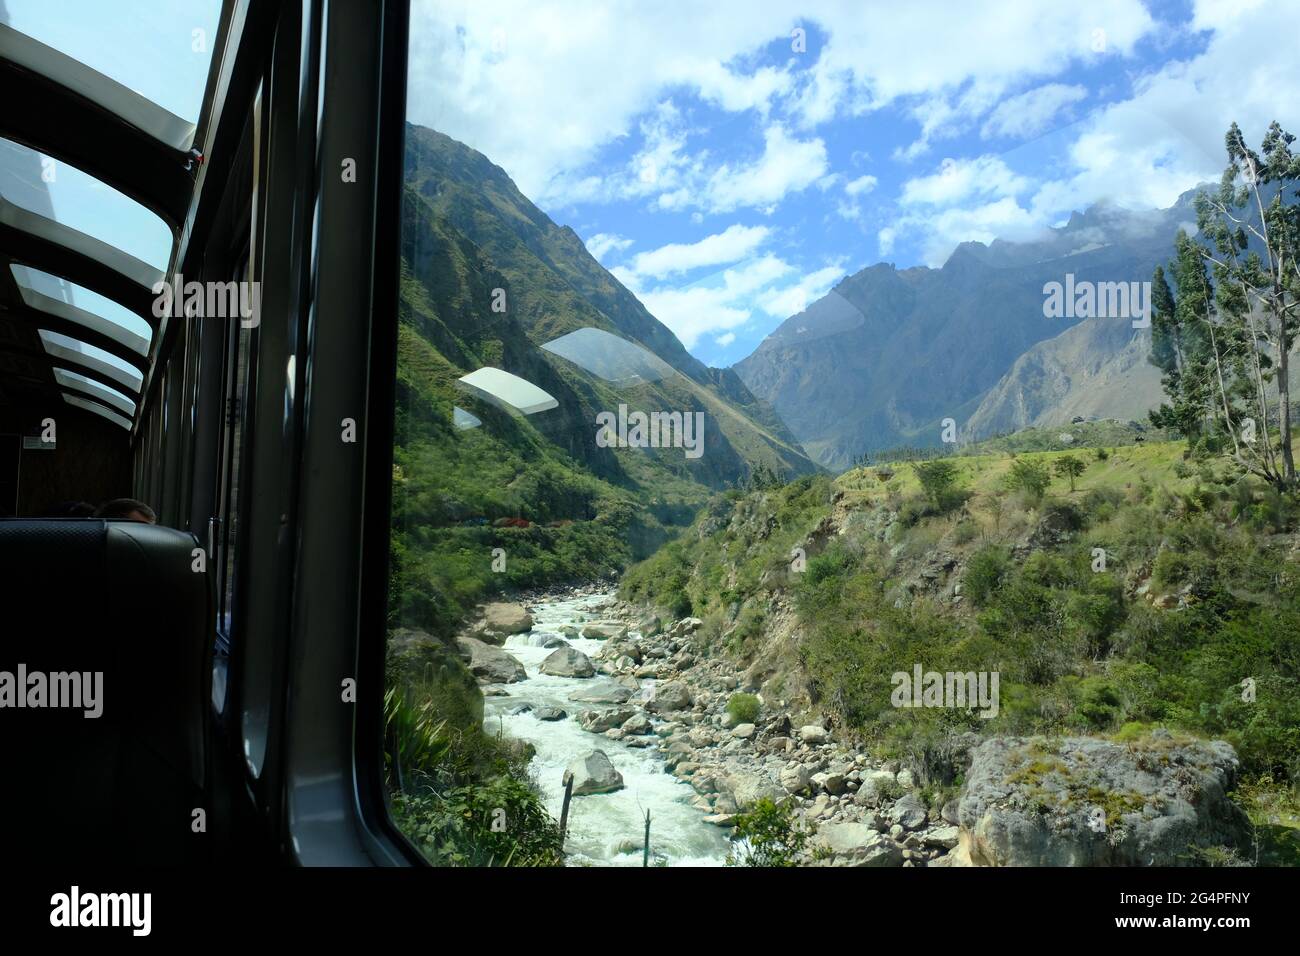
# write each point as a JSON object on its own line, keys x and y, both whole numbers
{"x": 126, "y": 509}
{"x": 72, "y": 509}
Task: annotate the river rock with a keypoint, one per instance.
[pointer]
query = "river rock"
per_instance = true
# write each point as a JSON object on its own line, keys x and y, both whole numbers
{"x": 593, "y": 773}
{"x": 598, "y": 721}
{"x": 670, "y": 696}
{"x": 605, "y": 692}
{"x": 856, "y": 844}
{"x": 637, "y": 724}
{"x": 813, "y": 734}
{"x": 908, "y": 812}
{"x": 604, "y": 631}
{"x": 875, "y": 788}
{"x": 1085, "y": 802}
{"x": 743, "y": 731}
{"x": 795, "y": 778}
{"x": 567, "y": 662}
{"x": 549, "y": 713}
{"x": 490, "y": 665}
{"x": 832, "y": 783}
{"x": 546, "y": 640}
{"x": 501, "y": 619}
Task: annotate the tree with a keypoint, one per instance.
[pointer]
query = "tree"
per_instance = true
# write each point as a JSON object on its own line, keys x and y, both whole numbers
{"x": 1226, "y": 334}
{"x": 1031, "y": 477}
{"x": 1070, "y": 467}
{"x": 937, "y": 479}
{"x": 769, "y": 834}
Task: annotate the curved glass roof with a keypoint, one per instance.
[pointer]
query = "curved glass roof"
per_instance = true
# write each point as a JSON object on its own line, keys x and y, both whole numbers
{"x": 83, "y": 306}
{"x": 64, "y": 194}
{"x": 159, "y": 50}
{"x": 111, "y": 415}
{"x": 507, "y": 391}
{"x": 78, "y": 382}
{"x": 106, "y": 363}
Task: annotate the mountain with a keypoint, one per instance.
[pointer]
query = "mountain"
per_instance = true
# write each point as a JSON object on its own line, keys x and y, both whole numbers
{"x": 554, "y": 286}
{"x": 489, "y": 281}
{"x": 889, "y": 353}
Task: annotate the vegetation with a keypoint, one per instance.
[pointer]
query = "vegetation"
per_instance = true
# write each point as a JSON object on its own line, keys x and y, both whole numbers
{"x": 1222, "y": 336}
{"x": 1191, "y": 595}
{"x": 743, "y": 708}
{"x": 769, "y": 834}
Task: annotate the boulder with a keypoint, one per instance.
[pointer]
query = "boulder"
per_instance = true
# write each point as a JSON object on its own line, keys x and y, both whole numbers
{"x": 489, "y": 664}
{"x": 813, "y": 734}
{"x": 598, "y": 721}
{"x": 637, "y": 724}
{"x": 593, "y": 773}
{"x": 856, "y": 844}
{"x": 605, "y": 692}
{"x": 546, "y": 640}
{"x": 670, "y": 696}
{"x": 567, "y": 662}
{"x": 604, "y": 631}
{"x": 549, "y": 713}
{"x": 908, "y": 812}
{"x": 1085, "y": 802}
{"x": 743, "y": 731}
{"x": 499, "y": 620}
{"x": 795, "y": 779}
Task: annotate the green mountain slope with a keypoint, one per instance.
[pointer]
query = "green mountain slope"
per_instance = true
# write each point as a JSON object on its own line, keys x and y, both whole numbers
{"x": 574, "y": 510}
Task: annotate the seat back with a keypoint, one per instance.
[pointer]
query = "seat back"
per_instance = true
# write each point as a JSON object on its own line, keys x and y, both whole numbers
{"x": 114, "y": 617}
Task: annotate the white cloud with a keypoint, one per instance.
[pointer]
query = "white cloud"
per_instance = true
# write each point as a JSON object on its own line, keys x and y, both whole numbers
{"x": 731, "y": 245}
{"x": 787, "y": 165}
{"x": 861, "y": 185}
{"x": 1031, "y": 112}
{"x": 885, "y": 240}
{"x": 960, "y": 179}
{"x": 722, "y": 341}
{"x": 603, "y": 242}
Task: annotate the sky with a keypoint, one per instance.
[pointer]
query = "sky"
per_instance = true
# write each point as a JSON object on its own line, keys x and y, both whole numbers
{"x": 730, "y": 162}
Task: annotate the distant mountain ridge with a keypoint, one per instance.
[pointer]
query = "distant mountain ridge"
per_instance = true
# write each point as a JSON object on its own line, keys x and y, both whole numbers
{"x": 889, "y": 353}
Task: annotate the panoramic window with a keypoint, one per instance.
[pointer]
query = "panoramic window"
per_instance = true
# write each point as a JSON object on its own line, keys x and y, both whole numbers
{"x": 161, "y": 51}
{"x": 814, "y": 428}
{"x": 64, "y": 194}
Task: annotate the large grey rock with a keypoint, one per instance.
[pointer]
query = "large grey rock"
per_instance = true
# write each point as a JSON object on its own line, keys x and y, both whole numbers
{"x": 908, "y": 812}
{"x": 857, "y": 844}
{"x": 876, "y": 788}
{"x": 795, "y": 779}
{"x": 543, "y": 639}
{"x": 604, "y": 631}
{"x": 670, "y": 696}
{"x": 598, "y": 721}
{"x": 604, "y": 692}
{"x": 1086, "y": 802}
{"x": 567, "y": 662}
{"x": 490, "y": 665}
{"x": 499, "y": 620}
{"x": 813, "y": 734}
{"x": 593, "y": 773}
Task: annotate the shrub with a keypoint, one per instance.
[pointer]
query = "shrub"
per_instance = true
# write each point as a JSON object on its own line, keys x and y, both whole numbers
{"x": 1029, "y": 477}
{"x": 985, "y": 572}
{"x": 769, "y": 834}
{"x": 743, "y": 708}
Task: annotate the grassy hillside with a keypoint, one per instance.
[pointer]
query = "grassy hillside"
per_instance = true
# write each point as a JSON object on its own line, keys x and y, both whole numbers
{"x": 1199, "y": 592}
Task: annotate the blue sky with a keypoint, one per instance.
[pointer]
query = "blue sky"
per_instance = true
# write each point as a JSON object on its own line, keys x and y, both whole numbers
{"x": 729, "y": 178}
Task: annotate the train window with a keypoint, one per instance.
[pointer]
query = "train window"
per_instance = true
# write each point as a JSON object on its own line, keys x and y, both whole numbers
{"x": 106, "y": 363}
{"x": 233, "y": 435}
{"x": 118, "y": 321}
{"x": 58, "y": 191}
{"x": 160, "y": 50}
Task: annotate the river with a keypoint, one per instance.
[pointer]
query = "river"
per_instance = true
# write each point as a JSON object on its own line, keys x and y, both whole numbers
{"x": 603, "y": 828}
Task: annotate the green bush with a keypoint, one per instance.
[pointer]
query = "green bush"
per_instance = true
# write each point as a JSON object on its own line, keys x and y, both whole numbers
{"x": 985, "y": 572}
{"x": 769, "y": 834}
{"x": 743, "y": 708}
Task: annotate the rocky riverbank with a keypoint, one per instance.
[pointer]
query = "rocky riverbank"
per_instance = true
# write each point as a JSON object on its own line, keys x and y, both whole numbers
{"x": 1024, "y": 802}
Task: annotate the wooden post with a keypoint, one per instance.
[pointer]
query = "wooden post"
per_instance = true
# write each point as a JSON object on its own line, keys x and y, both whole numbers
{"x": 645, "y": 853}
{"x": 564, "y": 810}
